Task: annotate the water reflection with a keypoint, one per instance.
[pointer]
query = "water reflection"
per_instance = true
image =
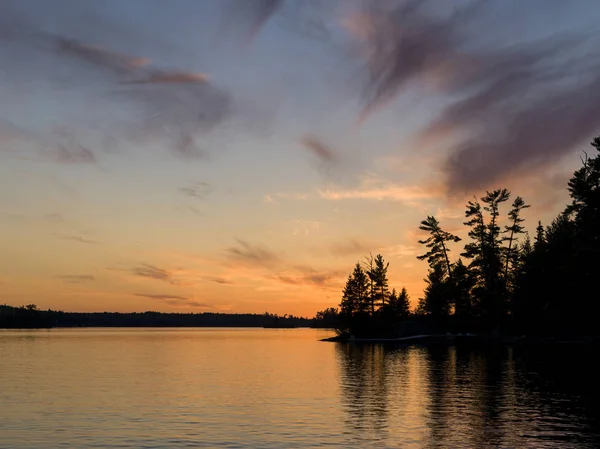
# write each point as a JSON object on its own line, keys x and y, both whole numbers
{"x": 460, "y": 396}
{"x": 364, "y": 391}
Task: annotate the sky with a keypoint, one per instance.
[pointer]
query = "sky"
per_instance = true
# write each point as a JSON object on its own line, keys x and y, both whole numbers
{"x": 242, "y": 155}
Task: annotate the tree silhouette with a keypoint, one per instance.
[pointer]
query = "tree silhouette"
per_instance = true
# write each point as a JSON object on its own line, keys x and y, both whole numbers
{"x": 437, "y": 253}
{"x": 403, "y": 304}
{"x": 398, "y": 306}
{"x": 540, "y": 236}
{"x": 378, "y": 276}
{"x": 475, "y": 249}
{"x": 369, "y": 268}
{"x": 356, "y": 292}
{"x": 436, "y": 300}
{"x": 463, "y": 284}
{"x": 513, "y": 230}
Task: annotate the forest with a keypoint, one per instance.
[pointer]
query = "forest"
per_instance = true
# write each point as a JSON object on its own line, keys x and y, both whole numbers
{"x": 30, "y": 316}
{"x": 502, "y": 283}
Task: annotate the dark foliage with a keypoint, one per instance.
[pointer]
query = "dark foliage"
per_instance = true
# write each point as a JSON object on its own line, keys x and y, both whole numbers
{"x": 31, "y": 317}
{"x": 513, "y": 287}
{"x": 509, "y": 287}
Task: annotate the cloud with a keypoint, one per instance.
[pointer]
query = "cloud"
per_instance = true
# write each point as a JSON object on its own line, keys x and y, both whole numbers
{"x": 150, "y": 271}
{"x": 199, "y": 189}
{"x": 177, "y": 301}
{"x": 512, "y": 109}
{"x": 319, "y": 149}
{"x": 342, "y": 164}
{"x": 100, "y": 57}
{"x": 401, "y": 250}
{"x": 171, "y": 77}
{"x": 116, "y": 94}
{"x": 250, "y": 16}
{"x": 77, "y": 278}
{"x": 309, "y": 275}
{"x": 307, "y": 17}
{"x": 218, "y": 280}
{"x": 325, "y": 159}
{"x": 195, "y": 211}
{"x": 349, "y": 247}
{"x": 389, "y": 192}
{"x": 74, "y": 155}
{"x": 79, "y": 239}
{"x": 306, "y": 276}
{"x": 249, "y": 254}
{"x": 272, "y": 267}
{"x": 507, "y": 104}
{"x": 273, "y": 198}
{"x": 158, "y": 296}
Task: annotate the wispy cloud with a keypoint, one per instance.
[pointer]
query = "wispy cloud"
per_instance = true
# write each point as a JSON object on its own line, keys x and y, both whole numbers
{"x": 78, "y": 239}
{"x": 325, "y": 159}
{"x": 523, "y": 94}
{"x": 200, "y": 189}
{"x": 74, "y": 155}
{"x": 273, "y": 198}
{"x": 171, "y": 77}
{"x": 506, "y": 108}
{"x": 218, "y": 280}
{"x": 308, "y": 275}
{"x": 195, "y": 211}
{"x": 247, "y": 253}
{"x": 389, "y": 192}
{"x": 267, "y": 265}
{"x": 170, "y": 105}
{"x": 76, "y": 278}
{"x": 175, "y": 300}
{"x": 401, "y": 250}
{"x": 250, "y": 16}
{"x": 150, "y": 271}
{"x": 160, "y": 296}
{"x": 117, "y": 63}
{"x": 350, "y": 247}
{"x": 316, "y": 147}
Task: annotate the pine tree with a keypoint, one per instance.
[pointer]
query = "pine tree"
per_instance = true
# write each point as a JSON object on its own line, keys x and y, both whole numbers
{"x": 355, "y": 301}
{"x": 355, "y": 297}
{"x": 514, "y": 229}
{"x": 369, "y": 268}
{"x": 475, "y": 249}
{"x": 485, "y": 253}
{"x": 463, "y": 284}
{"x": 380, "y": 281}
{"x": 436, "y": 301}
{"x": 540, "y": 237}
{"x": 437, "y": 253}
{"x": 492, "y": 201}
{"x": 403, "y": 304}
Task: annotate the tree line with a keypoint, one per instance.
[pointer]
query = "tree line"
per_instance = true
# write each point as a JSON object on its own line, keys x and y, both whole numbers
{"x": 30, "y": 316}
{"x": 502, "y": 282}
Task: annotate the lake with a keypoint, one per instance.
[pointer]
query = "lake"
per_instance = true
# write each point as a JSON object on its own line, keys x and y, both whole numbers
{"x": 280, "y": 388}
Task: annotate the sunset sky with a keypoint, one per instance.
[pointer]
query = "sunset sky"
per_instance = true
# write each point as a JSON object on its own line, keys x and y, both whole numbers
{"x": 241, "y": 156}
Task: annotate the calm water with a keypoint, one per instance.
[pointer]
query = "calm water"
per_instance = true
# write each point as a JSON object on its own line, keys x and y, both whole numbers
{"x": 161, "y": 388}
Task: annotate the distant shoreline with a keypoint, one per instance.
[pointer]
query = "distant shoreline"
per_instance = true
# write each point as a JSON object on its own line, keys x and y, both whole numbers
{"x": 30, "y": 317}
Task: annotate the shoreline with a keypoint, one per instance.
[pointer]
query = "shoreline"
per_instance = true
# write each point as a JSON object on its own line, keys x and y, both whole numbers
{"x": 464, "y": 338}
